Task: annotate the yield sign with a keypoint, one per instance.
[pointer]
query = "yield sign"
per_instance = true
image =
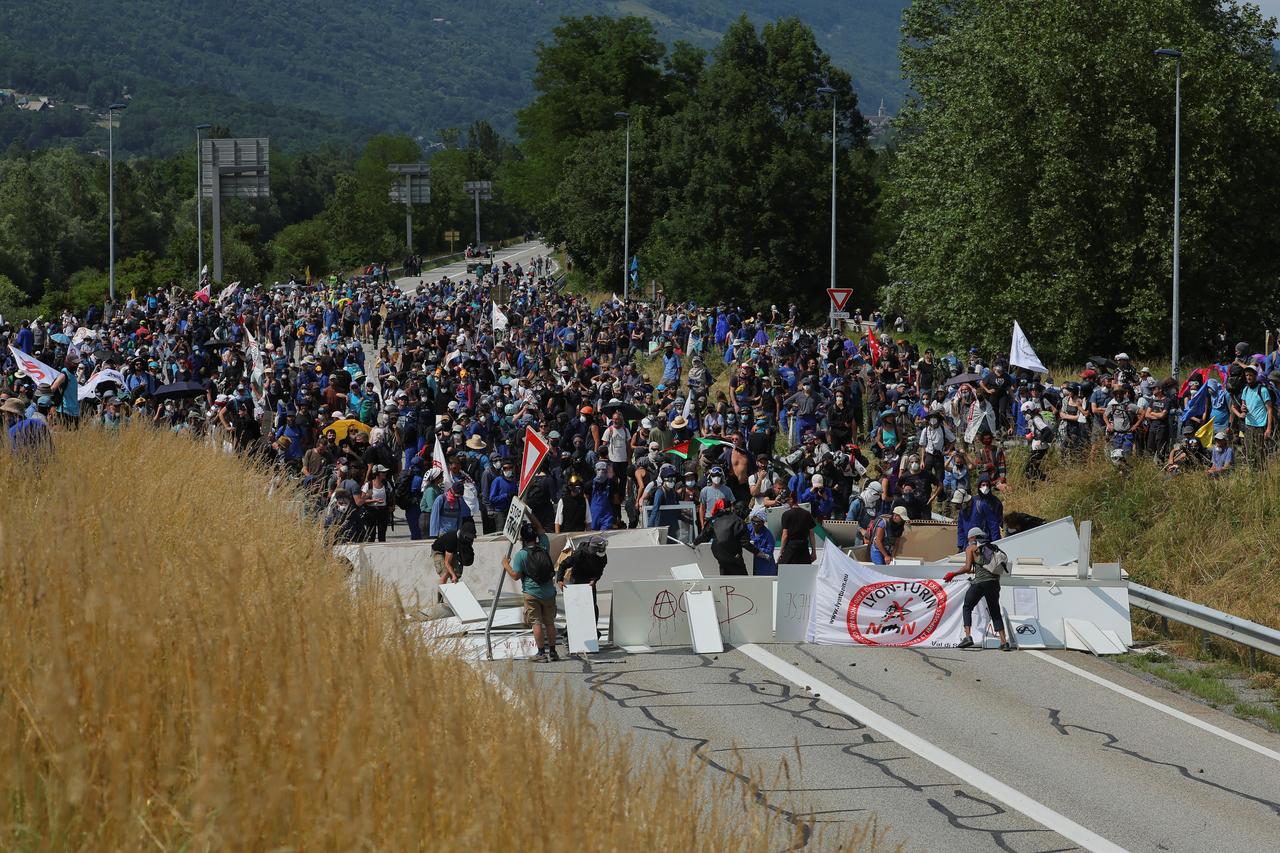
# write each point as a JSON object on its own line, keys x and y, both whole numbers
{"x": 535, "y": 450}
{"x": 839, "y": 296}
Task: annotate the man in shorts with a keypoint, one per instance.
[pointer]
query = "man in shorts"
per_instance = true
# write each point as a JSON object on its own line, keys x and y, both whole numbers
{"x": 532, "y": 566}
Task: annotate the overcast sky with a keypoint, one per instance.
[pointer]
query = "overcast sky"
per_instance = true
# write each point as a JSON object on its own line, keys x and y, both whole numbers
{"x": 1269, "y": 7}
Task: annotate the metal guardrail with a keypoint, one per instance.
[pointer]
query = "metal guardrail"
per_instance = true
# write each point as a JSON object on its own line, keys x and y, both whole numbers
{"x": 1251, "y": 634}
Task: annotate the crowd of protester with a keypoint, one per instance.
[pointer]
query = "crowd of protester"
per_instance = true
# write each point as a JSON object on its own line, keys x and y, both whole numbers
{"x": 406, "y": 402}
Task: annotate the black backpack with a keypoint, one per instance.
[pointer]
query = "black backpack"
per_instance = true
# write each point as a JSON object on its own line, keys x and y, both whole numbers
{"x": 404, "y": 490}
{"x": 1235, "y": 379}
{"x": 537, "y": 564}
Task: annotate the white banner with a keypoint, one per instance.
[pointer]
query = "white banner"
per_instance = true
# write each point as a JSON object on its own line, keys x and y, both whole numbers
{"x": 499, "y": 319}
{"x": 90, "y": 387}
{"x": 853, "y": 604}
{"x": 1021, "y": 354}
{"x": 39, "y": 372}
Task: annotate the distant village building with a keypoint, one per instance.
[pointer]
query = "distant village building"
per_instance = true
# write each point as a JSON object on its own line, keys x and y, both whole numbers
{"x": 879, "y": 125}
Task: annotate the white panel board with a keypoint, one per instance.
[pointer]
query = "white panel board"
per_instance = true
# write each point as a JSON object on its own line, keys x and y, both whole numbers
{"x": 1092, "y": 637}
{"x": 1057, "y": 542}
{"x": 1025, "y": 633}
{"x": 462, "y": 602}
{"x": 795, "y": 600}
{"x": 580, "y": 615}
{"x": 688, "y": 572}
{"x": 704, "y": 628}
{"x": 652, "y": 613}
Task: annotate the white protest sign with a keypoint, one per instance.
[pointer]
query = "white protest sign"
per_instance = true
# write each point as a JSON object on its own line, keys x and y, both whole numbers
{"x": 853, "y": 604}
{"x": 511, "y": 529}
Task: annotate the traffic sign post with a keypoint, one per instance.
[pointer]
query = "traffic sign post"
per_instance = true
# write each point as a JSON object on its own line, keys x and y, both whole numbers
{"x": 839, "y": 298}
{"x": 451, "y": 235}
{"x": 535, "y": 450}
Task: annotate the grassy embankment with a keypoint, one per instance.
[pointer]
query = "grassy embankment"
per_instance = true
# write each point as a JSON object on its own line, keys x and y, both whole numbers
{"x": 1210, "y": 541}
{"x": 184, "y": 664}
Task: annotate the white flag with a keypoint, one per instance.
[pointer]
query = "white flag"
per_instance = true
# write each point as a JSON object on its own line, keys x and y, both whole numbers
{"x": 438, "y": 462}
{"x": 29, "y": 365}
{"x": 688, "y": 406}
{"x": 1021, "y": 354}
{"x": 499, "y": 319}
{"x": 90, "y": 387}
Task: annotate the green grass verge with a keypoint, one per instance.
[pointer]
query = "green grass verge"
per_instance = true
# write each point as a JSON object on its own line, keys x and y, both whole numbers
{"x": 1202, "y": 683}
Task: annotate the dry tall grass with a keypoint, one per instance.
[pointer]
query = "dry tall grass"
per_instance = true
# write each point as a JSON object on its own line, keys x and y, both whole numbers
{"x": 1211, "y": 541}
{"x": 183, "y": 664}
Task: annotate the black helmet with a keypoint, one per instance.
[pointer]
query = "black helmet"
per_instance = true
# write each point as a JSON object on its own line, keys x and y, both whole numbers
{"x": 527, "y": 533}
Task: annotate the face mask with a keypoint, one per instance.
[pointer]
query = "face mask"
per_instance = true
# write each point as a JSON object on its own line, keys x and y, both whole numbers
{"x": 343, "y": 506}
{"x": 508, "y": 473}
{"x": 602, "y": 478}
{"x": 986, "y": 490}
{"x": 582, "y": 418}
{"x": 669, "y": 484}
{"x": 691, "y": 483}
{"x": 717, "y": 480}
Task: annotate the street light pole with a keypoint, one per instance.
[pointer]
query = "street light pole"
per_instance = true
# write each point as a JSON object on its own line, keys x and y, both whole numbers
{"x": 1176, "y": 56}
{"x": 111, "y": 199}
{"x": 199, "y": 208}
{"x": 827, "y": 90}
{"x": 626, "y": 210}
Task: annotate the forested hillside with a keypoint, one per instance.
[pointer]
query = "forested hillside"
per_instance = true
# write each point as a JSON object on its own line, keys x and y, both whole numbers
{"x": 325, "y": 71}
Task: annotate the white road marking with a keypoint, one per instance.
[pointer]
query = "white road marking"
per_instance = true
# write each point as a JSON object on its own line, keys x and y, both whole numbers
{"x": 1159, "y": 706}
{"x": 962, "y": 770}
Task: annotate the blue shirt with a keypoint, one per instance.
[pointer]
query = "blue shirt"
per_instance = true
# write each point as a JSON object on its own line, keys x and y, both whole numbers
{"x": 544, "y": 591}
{"x": 1255, "y": 399}
{"x": 444, "y": 517}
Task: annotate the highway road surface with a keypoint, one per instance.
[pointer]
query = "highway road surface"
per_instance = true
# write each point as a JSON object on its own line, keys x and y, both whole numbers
{"x": 520, "y": 253}
{"x": 953, "y": 750}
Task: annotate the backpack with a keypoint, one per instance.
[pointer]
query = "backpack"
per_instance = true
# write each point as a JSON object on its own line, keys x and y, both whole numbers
{"x": 1235, "y": 379}
{"x": 404, "y": 490}
{"x": 368, "y": 412}
{"x": 537, "y": 564}
{"x": 995, "y": 561}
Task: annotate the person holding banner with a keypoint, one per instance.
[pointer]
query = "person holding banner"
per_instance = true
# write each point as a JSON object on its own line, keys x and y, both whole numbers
{"x": 986, "y": 562}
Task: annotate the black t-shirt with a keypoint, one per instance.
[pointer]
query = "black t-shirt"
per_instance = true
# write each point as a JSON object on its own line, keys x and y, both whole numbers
{"x": 797, "y": 522}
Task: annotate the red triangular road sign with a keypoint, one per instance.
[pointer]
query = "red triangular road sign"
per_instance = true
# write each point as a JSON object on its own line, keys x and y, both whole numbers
{"x": 535, "y": 450}
{"x": 839, "y": 296}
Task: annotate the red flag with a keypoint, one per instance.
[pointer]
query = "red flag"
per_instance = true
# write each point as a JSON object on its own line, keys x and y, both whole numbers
{"x": 680, "y": 448}
{"x": 875, "y": 348}
{"x": 202, "y": 295}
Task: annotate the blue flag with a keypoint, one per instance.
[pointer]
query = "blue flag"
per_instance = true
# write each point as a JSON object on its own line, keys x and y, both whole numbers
{"x": 1197, "y": 406}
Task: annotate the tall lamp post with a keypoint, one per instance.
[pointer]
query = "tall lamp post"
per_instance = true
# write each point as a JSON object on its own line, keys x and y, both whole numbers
{"x": 827, "y": 90}
{"x": 111, "y": 198}
{"x": 1176, "y": 56}
{"x": 199, "y": 208}
{"x": 626, "y": 210}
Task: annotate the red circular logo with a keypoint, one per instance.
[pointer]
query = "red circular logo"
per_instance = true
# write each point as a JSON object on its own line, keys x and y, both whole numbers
{"x": 896, "y": 613}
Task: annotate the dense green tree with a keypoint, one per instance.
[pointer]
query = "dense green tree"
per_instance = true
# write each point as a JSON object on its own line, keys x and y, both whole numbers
{"x": 745, "y": 175}
{"x": 592, "y": 68}
{"x": 1034, "y": 176}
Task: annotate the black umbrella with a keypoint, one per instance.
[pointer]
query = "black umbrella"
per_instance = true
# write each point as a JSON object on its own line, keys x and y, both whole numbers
{"x": 961, "y": 379}
{"x": 218, "y": 342}
{"x": 629, "y": 411}
{"x": 179, "y": 391}
{"x": 1101, "y": 362}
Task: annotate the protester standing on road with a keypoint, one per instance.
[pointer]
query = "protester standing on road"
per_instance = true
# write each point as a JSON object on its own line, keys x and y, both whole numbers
{"x": 799, "y": 542}
{"x": 728, "y": 537}
{"x": 532, "y": 566}
{"x": 585, "y": 564}
{"x": 987, "y": 563}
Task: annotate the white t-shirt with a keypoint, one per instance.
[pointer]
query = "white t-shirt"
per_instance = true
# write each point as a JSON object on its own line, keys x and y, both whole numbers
{"x": 618, "y": 442}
